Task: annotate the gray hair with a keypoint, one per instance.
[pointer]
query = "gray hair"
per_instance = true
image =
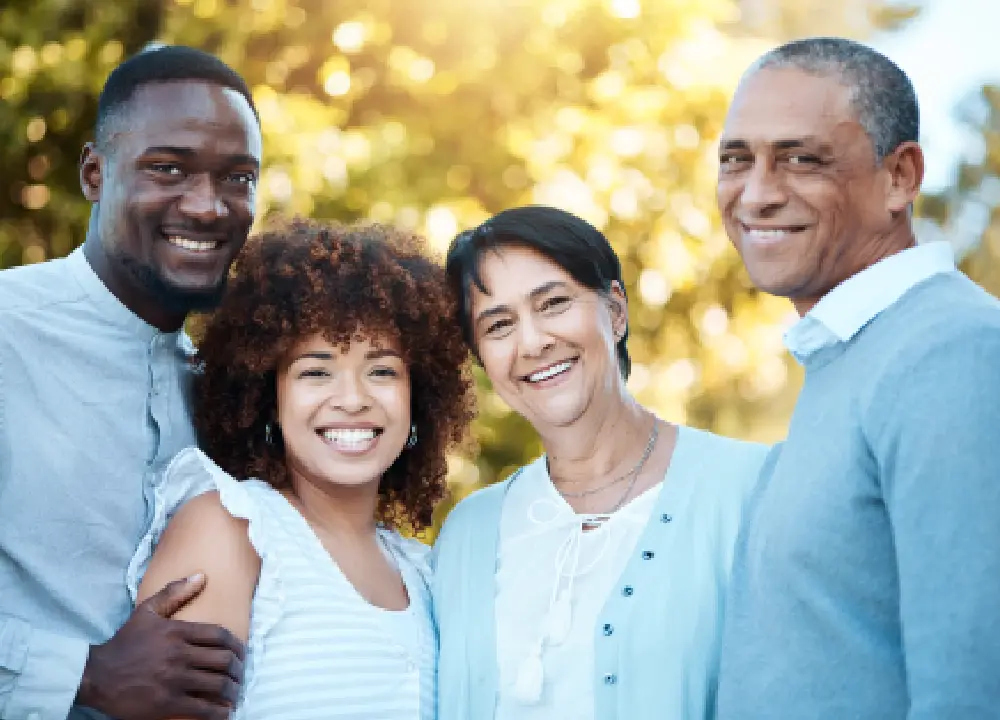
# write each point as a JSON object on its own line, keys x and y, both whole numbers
{"x": 881, "y": 93}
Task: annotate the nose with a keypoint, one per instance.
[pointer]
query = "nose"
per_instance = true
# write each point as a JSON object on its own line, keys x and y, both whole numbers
{"x": 200, "y": 201}
{"x": 532, "y": 337}
{"x": 349, "y": 394}
{"x": 763, "y": 192}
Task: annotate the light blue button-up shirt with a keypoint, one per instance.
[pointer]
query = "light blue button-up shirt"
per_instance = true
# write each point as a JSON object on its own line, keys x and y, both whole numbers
{"x": 93, "y": 403}
{"x": 843, "y": 311}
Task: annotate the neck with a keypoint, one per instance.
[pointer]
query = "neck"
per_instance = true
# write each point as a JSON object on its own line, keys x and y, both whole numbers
{"x": 878, "y": 248}
{"x": 605, "y": 441}
{"x": 341, "y": 511}
{"x": 120, "y": 283}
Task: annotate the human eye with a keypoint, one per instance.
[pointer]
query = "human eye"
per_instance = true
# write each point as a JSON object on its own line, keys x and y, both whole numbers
{"x": 166, "y": 169}
{"x": 313, "y": 372}
{"x": 384, "y": 371}
{"x": 804, "y": 159}
{"x": 499, "y": 328}
{"x": 556, "y": 303}
{"x": 247, "y": 178}
{"x": 730, "y": 161}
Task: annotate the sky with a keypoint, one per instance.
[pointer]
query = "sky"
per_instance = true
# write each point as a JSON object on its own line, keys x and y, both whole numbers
{"x": 949, "y": 51}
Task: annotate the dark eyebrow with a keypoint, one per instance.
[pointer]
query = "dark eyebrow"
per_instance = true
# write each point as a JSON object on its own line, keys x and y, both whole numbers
{"x": 313, "y": 355}
{"x": 784, "y": 144}
{"x": 734, "y": 145}
{"x": 534, "y": 294}
{"x": 381, "y": 353}
{"x": 370, "y": 355}
{"x": 546, "y": 288}
{"x": 189, "y": 154}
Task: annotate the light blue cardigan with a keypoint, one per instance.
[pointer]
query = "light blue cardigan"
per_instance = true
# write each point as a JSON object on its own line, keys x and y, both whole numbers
{"x": 657, "y": 639}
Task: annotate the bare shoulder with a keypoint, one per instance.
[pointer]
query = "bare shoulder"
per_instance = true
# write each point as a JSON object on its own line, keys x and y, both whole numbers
{"x": 204, "y": 537}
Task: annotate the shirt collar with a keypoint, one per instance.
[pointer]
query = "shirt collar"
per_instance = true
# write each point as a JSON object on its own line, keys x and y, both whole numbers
{"x": 845, "y": 310}
{"x": 113, "y": 308}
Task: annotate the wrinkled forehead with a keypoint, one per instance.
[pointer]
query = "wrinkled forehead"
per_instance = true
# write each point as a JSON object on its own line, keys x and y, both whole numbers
{"x": 189, "y": 114}
{"x": 782, "y": 103}
{"x": 510, "y": 271}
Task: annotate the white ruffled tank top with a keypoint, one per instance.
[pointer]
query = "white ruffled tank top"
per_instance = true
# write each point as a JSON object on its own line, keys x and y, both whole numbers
{"x": 317, "y": 650}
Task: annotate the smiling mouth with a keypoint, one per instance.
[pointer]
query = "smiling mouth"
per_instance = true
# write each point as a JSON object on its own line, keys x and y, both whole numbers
{"x": 352, "y": 441}
{"x": 770, "y": 235}
{"x": 549, "y": 372}
{"x": 190, "y": 245}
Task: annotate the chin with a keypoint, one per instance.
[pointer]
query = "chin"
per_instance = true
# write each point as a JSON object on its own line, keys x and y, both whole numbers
{"x": 351, "y": 476}
{"x": 556, "y": 417}
{"x": 192, "y": 298}
{"x": 773, "y": 283}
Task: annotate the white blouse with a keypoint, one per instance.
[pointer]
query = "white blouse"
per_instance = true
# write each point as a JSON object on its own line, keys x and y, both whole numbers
{"x": 552, "y": 581}
{"x": 317, "y": 649}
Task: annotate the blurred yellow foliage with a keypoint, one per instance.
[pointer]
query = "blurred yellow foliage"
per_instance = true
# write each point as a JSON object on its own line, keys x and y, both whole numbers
{"x": 432, "y": 116}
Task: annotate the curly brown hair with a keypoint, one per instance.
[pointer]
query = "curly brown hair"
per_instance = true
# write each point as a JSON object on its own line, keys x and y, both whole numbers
{"x": 301, "y": 278}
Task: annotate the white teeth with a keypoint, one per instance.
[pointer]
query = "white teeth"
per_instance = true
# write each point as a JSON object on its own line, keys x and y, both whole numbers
{"x": 352, "y": 436}
{"x": 549, "y": 372}
{"x": 768, "y": 234}
{"x": 196, "y": 245}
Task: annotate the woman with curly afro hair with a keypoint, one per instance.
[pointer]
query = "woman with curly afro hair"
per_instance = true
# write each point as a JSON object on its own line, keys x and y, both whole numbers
{"x": 332, "y": 383}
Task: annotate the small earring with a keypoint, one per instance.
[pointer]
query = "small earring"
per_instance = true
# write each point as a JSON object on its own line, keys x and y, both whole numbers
{"x": 411, "y": 441}
{"x": 269, "y": 434}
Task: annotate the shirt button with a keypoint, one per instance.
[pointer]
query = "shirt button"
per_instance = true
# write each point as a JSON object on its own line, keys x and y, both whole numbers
{"x": 627, "y": 591}
{"x": 608, "y": 630}
{"x": 665, "y": 518}
{"x": 610, "y": 679}
{"x": 647, "y": 554}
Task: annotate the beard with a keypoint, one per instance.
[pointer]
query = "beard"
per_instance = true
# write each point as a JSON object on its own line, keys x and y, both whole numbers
{"x": 173, "y": 298}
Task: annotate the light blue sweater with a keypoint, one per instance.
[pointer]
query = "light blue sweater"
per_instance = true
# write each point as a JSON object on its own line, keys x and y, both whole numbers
{"x": 657, "y": 640}
{"x": 867, "y": 586}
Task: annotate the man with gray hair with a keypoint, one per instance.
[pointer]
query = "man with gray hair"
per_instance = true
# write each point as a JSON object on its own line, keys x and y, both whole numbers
{"x": 866, "y": 583}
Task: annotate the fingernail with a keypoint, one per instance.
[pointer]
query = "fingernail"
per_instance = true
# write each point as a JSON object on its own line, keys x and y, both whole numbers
{"x": 196, "y": 577}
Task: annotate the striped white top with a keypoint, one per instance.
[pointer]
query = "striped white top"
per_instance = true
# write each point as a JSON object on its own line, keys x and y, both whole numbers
{"x": 317, "y": 649}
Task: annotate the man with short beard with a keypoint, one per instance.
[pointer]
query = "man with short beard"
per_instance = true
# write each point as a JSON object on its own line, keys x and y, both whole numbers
{"x": 94, "y": 376}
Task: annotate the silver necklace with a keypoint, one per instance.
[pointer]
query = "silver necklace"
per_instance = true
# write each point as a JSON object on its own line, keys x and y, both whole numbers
{"x": 633, "y": 474}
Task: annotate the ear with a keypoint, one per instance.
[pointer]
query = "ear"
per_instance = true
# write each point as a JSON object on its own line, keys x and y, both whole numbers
{"x": 905, "y": 166}
{"x": 91, "y": 172}
{"x": 619, "y": 309}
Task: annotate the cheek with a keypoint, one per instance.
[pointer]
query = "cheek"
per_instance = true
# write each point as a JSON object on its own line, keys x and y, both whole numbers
{"x": 242, "y": 206}
{"x": 825, "y": 197}
{"x": 496, "y": 357}
{"x": 586, "y": 325}
{"x": 395, "y": 403}
{"x": 148, "y": 203}
{"x": 293, "y": 403}
{"x": 727, "y": 192}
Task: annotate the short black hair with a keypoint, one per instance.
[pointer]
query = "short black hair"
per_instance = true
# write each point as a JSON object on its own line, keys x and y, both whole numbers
{"x": 163, "y": 63}
{"x": 570, "y": 242}
{"x": 881, "y": 93}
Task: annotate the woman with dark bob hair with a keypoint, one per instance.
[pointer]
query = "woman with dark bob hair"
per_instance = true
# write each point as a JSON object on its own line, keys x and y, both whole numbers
{"x": 591, "y": 583}
{"x": 332, "y": 383}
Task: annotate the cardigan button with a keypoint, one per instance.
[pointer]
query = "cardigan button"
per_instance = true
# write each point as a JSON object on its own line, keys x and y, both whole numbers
{"x": 647, "y": 554}
{"x": 665, "y": 518}
{"x": 608, "y": 629}
{"x": 610, "y": 679}
{"x": 627, "y": 591}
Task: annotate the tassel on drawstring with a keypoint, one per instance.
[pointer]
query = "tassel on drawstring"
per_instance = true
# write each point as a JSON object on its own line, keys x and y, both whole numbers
{"x": 530, "y": 677}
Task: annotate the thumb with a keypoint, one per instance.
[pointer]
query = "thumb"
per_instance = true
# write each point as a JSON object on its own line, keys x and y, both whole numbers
{"x": 175, "y": 595}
